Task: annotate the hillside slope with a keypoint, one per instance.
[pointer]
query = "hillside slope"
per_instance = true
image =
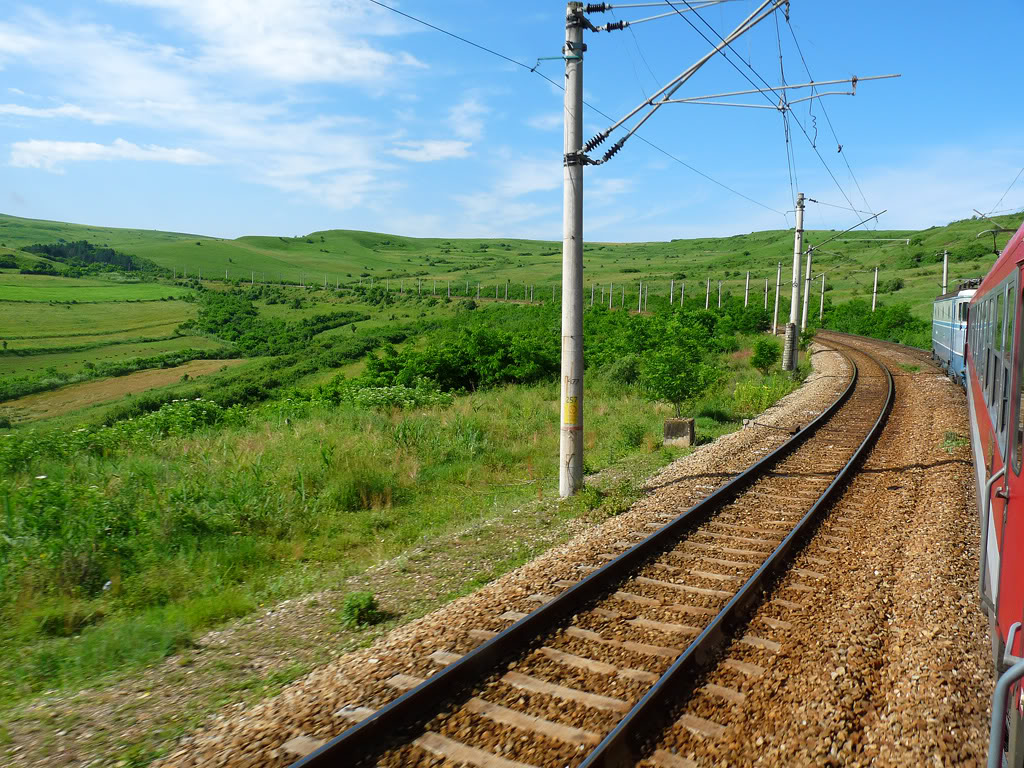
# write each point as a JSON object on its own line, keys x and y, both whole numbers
{"x": 909, "y": 260}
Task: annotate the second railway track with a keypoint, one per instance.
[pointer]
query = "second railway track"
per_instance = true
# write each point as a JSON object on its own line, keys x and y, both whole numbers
{"x": 587, "y": 678}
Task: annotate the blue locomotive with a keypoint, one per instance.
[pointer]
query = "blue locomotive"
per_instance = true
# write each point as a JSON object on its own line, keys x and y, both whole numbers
{"x": 949, "y": 329}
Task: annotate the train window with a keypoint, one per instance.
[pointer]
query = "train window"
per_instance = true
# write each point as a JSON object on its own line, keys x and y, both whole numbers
{"x": 998, "y": 332}
{"x": 1019, "y": 431}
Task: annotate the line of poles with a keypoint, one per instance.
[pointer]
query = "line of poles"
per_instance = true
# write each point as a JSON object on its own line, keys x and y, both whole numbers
{"x": 505, "y": 291}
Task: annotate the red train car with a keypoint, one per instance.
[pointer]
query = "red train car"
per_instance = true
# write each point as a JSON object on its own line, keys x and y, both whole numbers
{"x": 994, "y": 381}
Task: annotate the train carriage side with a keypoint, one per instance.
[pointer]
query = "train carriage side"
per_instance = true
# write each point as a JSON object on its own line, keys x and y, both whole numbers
{"x": 949, "y": 329}
{"x": 994, "y": 358}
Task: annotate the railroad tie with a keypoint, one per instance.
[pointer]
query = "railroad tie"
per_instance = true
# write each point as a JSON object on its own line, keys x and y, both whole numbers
{"x": 457, "y": 752}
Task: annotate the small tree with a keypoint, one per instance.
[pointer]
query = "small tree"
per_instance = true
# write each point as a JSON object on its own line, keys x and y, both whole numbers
{"x": 767, "y": 352}
{"x": 680, "y": 371}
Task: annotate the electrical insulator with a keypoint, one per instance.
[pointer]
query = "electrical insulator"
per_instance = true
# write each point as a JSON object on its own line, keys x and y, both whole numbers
{"x": 596, "y": 8}
{"x": 595, "y": 142}
{"x": 614, "y": 148}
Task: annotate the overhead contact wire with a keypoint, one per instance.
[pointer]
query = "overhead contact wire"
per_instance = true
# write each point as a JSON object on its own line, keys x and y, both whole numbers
{"x": 765, "y": 82}
{"x": 561, "y": 87}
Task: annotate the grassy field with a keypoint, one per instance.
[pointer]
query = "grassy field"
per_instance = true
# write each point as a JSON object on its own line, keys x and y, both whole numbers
{"x": 45, "y": 288}
{"x": 214, "y": 521}
{"x": 73, "y": 360}
{"x": 348, "y": 256}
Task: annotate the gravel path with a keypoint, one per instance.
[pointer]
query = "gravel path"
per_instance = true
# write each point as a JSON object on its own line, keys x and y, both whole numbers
{"x": 323, "y": 703}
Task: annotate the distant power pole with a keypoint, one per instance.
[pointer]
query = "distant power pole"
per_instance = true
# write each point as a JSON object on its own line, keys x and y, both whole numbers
{"x": 807, "y": 289}
{"x": 640, "y": 300}
{"x": 570, "y": 467}
{"x": 778, "y": 283}
{"x": 746, "y": 291}
{"x": 611, "y": 294}
{"x": 707, "y": 295}
{"x": 682, "y": 293}
{"x": 821, "y": 308}
{"x": 766, "y": 294}
{"x": 671, "y": 291}
{"x": 719, "y": 294}
{"x": 945, "y": 271}
{"x": 789, "y": 352}
{"x": 874, "y": 292}
{"x": 647, "y": 293}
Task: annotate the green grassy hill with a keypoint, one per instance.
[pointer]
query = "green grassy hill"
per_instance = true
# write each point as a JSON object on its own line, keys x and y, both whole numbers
{"x": 909, "y": 260}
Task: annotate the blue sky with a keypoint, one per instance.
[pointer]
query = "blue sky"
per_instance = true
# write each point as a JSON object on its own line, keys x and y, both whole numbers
{"x": 233, "y": 117}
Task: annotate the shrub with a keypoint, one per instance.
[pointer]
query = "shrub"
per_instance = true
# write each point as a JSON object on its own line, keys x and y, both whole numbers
{"x": 681, "y": 371}
{"x": 767, "y": 352}
{"x": 358, "y": 610}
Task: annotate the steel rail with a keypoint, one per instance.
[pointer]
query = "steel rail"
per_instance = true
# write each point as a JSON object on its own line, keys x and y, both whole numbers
{"x": 623, "y": 746}
{"x": 898, "y": 345}
{"x": 417, "y": 706}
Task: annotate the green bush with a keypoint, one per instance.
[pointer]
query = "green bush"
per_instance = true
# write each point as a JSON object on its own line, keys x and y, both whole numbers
{"x": 359, "y": 610}
{"x": 767, "y": 352}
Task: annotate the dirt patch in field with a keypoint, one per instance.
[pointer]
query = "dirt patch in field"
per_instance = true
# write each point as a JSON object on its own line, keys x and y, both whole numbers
{"x": 44, "y": 405}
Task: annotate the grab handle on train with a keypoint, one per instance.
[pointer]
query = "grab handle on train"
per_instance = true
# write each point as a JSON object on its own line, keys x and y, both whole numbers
{"x": 983, "y": 559}
{"x": 999, "y": 700}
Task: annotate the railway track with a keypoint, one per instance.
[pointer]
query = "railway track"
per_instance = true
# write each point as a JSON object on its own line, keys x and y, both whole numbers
{"x": 591, "y": 676}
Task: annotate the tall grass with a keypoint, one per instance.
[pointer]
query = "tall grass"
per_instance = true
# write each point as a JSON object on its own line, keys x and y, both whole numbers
{"x": 117, "y": 548}
{"x": 185, "y": 530}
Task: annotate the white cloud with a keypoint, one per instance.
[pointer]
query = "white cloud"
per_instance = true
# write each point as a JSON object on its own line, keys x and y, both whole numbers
{"x": 341, "y": 191}
{"x": 66, "y": 110}
{"x": 599, "y": 189}
{"x": 50, "y": 155}
{"x": 17, "y": 91}
{"x": 466, "y": 119}
{"x": 289, "y": 40}
{"x": 521, "y": 177}
{"x": 430, "y": 151}
{"x": 547, "y": 122}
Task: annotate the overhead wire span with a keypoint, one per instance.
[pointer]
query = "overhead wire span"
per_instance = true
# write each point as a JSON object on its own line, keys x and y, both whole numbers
{"x": 828, "y": 119}
{"x": 759, "y": 77}
{"x": 561, "y": 87}
{"x": 1007, "y": 190}
{"x": 833, "y": 205}
{"x": 790, "y": 155}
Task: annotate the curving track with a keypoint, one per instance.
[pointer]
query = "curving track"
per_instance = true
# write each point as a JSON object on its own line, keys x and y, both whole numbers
{"x": 593, "y": 676}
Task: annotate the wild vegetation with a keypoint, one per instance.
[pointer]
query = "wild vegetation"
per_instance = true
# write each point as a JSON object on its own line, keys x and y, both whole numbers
{"x": 367, "y": 403}
{"x": 121, "y": 540}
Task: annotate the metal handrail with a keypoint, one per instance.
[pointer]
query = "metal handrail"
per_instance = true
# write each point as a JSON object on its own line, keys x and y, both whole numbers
{"x": 999, "y": 698}
{"x": 985, "y": 512}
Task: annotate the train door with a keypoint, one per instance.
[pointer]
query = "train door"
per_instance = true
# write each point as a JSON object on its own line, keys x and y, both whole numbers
{"x": 1008, "y": 515}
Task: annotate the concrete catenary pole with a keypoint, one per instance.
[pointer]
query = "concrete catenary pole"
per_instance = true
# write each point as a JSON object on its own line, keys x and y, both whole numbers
{"x": 570, "y": 466}
{"x": 591, "y": 294}
{"x": 766, "y": 294}
{"x": 671, "y": 291}
{"x": 945, "y": 271}
{"x": 707, "y": 295}
{"x": 821, "y": 307}
{"x": 611, "y": 294}
{"x": 647, "y": 293}
{"x": 874, "y": 292}
{"x": 807, "y": 289}
{"x": 640, "y": 300}
{"x": 789, "y": 352}
{"x": 746, "y": 291}
{"x": 682, "y": 293}
{"x": 719, "y": 294}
